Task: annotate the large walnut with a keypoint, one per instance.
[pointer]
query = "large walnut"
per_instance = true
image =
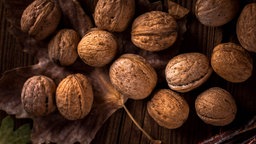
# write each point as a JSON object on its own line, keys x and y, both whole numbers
{"x": 232, "y": 62}
{"x": 187, "y": 71}
{"x": 114, "y": 15}
{"x": 38, "y": 94}
{"x": 41, "y": 18}
{"x": 246, "y": 27}
{"x": 154, "y": 31}
{"x": 74, "y": 97}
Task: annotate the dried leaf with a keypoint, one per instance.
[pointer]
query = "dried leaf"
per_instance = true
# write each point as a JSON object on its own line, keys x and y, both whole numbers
{"x": 176, "y": 10}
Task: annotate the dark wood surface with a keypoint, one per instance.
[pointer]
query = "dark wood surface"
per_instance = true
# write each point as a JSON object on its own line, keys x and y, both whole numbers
{"x": 119, "y": 127}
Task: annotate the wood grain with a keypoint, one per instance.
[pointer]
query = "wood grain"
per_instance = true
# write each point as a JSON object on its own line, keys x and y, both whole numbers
{"x": 119, "y": 128}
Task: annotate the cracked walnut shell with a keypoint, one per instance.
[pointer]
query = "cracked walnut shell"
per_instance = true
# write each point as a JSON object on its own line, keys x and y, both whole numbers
{"x": 168, "y": 109}
{"x": 216, "y": 106}
{"x": 232, "y": 62}
{"x": 187, "y": 71}
{"x": 74, "y": 97}
{"x": 38, "y": 94}
{"x": 41, "y": 18}
{"x": 154, "y": 31}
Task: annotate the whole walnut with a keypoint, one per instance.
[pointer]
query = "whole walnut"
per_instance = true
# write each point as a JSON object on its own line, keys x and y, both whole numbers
{"x": 74, "y": 97}
{"x": 38, "y": 94}
{"x": 114, "y": 15}
{"x": 187, "y": 71}
{"x": 133, "y": 76}
{"x": 97, "y": 48}
{"x": 232, "y": 62}
{"x": 246, "y": 27}
{"x": 216, "y": 106}
{"x": 62, "y": 47}
{"x": 154, "y": 31}
{"x": 41, "y": 18}
{"x": 216, "y": 12}
{"x": 168, "y": 109}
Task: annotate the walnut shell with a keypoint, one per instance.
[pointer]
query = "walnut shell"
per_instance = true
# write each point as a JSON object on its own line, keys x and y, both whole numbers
{"x": 232, "y": 62}
{"x": 154, "y": 31}
{"x": 97, "y": 48}
{"x": 246, "y": 27}
{"x": 114, "y": 15}
{"x": 168, "y": 109}
{"x": 41, "y": 18}
{"x": 216, "y": 12}
{"x": 38, "y": 95}
{"x": 133, "y": 76}
{"x": 187, "y": 71}
{"x": 216, "y": 106}
{"x": 74, "y": 97}
{"x": 62, "y": 47}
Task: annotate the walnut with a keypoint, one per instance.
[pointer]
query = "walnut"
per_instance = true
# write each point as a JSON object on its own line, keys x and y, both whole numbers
{"x": 62, "y": 48}
{"x": 97, "y": 48}
{"x": 114, "y": 15}
{"x": 154, "y": 31}
{"x": 216, "y": 12}
{"x": 187, "y": 71}
{"x": 74, "y": 97}
{"x": 168, "y": 109}
{"x": 41, "y": 18}
{"x": 133, "y": 76}
{"x": 232, "y": 62}
{"x": 216, "y": 106}
{"x": 246, "y": 27}
{"x": 38, "y": 94}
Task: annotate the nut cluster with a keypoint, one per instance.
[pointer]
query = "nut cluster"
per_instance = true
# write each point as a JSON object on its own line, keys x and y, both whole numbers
{"x": 130, "y": 73}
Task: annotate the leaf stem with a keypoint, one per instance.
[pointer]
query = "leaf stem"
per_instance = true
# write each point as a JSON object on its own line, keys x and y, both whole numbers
{"x": 153, "y": 141}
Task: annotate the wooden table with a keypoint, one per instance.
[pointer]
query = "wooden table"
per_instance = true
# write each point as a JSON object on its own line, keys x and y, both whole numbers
{"x": 119, "y": 127}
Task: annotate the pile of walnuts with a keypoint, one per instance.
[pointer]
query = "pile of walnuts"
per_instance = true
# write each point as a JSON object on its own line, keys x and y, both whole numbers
{"x": 130, "y": 73}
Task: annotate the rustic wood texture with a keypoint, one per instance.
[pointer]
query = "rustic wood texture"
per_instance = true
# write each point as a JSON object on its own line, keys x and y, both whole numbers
{"x": 119, "y": 128}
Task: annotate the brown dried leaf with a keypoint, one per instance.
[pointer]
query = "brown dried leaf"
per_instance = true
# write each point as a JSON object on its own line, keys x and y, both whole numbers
{"x": 176, "y": 10}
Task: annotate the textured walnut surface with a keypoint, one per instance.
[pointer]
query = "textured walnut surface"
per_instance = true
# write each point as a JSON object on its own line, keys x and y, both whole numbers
{"x": 246, "y": 27}
{"x": 187, "y": 71}
{"x": 133, "y": 76}
{"x": 216, "y": 106}
{"x": 232, "y": 62}
{"x": 114, "y": 15}
{"x": 74, "y": 97}
{"x": 216, "y": 12}
{"x": 41, "y": 18}
{"x": 97, "y": 48}
{"x": 154, "y": 31}
{"x": 62, "y": 47}
{"x": 38, "y": 95}
{"x": 168, "y": 109}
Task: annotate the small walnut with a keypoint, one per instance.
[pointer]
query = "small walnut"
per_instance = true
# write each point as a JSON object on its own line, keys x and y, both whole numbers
{"x": 97, "y": 48}
{"x": 62, "y": 48}
{"x": 187, "y": 71}
{"x": 133, "y": 76}
{"x": 41, "y": 18}
{"x": 114, "y": 15}
{"x": 74, "y": 97}
{"x": 232, "y": 62}
{"x": 154, "y": 31}
{"x": 216, "y": 12}
{"x": 216, "y": 106}
{"x": 38, "y": 95}
{"x": 246, "y": 27}
{"x": 168, "y": 109}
